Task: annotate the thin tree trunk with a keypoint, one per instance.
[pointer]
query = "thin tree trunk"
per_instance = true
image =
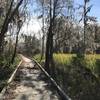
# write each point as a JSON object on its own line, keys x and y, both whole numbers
{"x": 43, "y": 38}
{"x": 47, "y": 56}
{"x": 49, "y": 44}
{"x": 15, "y": 49}
{"x": 84, "y": 26}
{"x": 3, "y": 30}
{"x": 8, "y": 19}
{"x": 42, "y": 52}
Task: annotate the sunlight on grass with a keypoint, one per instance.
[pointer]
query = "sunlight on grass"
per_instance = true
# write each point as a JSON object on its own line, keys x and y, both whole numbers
{"x": 91, "y": 60}
{"x": 65, "y": 59}
{"x": 38, "y": 57}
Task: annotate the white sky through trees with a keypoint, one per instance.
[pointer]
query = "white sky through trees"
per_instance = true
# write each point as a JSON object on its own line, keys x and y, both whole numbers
{"x": 33, "y": 25}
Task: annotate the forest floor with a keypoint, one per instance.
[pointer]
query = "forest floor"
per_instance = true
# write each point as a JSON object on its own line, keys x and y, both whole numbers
{"x": 29, "y": 84}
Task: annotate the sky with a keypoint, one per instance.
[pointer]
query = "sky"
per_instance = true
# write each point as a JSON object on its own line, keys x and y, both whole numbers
{"x": 95, "y": 11}
{"x": 35, "y": 25}
{"x": 32, "y": 26}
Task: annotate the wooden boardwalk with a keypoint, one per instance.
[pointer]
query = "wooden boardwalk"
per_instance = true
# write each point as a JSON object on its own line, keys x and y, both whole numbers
{"x": 29, "y": 84}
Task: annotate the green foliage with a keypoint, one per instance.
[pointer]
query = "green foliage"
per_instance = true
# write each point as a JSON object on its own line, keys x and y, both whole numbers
{"x": 6, "y": 70}
{"x": 38, "y": 58}
{"x": 66, "y": 59}
{"x": 75, "y": 78}
{"x": 63, "y": 59}
{"x": 31, "y": 45}
{"x": 76, "y": 75}
{"x": 97, "y": 68}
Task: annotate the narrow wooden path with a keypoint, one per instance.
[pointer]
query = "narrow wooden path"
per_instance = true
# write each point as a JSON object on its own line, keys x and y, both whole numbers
{"x": 29, "y": 84}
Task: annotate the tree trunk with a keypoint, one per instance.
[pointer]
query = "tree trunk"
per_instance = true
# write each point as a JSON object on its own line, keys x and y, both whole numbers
{"x": 15, "y": 49}
{"x": 47, "y": 54}
{"x": 48, "y": 42}
{"x": 8, "y": 19}
{"x": 43, "y": 38}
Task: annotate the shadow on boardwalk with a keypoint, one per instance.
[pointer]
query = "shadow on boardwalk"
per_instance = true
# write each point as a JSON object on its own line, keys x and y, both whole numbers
{"x": 30, "y": 84}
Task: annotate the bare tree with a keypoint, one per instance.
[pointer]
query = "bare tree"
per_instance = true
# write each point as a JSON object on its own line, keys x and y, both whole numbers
{"x": 9, "y": 17}
{"x": 49, "y": 43}
{"x": 20, "y": 23}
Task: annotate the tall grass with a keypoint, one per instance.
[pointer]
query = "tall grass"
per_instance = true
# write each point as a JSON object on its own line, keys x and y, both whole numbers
{"x": 38, "y": 58}
{"x": 64, "y": 60}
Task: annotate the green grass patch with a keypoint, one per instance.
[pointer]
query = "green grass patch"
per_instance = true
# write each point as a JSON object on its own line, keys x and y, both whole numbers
{"x": 63, "y": 59}
{"x": 66, "y": 59}
{"x": 38, "y": 58}
{"x": 74, "y": 76}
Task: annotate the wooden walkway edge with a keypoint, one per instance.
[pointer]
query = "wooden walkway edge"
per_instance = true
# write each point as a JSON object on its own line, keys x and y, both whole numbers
{"x": 63, "y": 95}
{"x": 10, "y": 80}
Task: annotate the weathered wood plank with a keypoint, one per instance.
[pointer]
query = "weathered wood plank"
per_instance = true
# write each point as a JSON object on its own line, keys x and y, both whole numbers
{"x": 9, "y": 80}
{"x": 63, "y": 95}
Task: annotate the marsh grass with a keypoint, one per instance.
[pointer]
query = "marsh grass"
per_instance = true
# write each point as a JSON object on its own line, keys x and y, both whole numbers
{"x": 6, "y": 70}
{"x": 66, "y": 59}
{"x": 38, "y": 58}
{"x": 74, "y": 77}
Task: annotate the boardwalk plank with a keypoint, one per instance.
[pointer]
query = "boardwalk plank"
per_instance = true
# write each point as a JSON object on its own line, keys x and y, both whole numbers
{"x": 29, "y": 84}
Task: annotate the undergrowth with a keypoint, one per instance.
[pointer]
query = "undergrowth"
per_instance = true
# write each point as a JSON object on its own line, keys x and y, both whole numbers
{"x": 6, "y": 70}
{"x": 78, "y": 77}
